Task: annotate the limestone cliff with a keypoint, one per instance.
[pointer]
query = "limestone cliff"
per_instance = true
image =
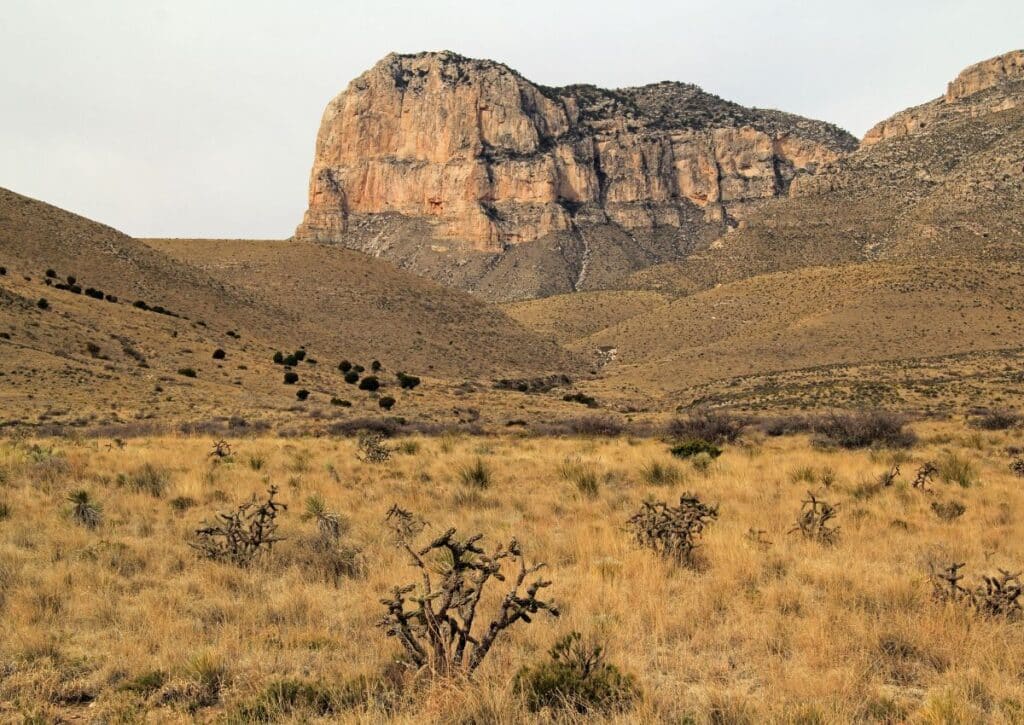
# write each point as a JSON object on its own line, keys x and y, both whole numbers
{"x": 984, "y": 87}
{"x": 449, "y": 166}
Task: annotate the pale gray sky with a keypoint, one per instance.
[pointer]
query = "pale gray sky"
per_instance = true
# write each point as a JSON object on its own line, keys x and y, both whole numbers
{"x": 198, "y": 117}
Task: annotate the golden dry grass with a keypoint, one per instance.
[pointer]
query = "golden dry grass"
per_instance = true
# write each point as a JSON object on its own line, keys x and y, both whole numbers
{"x": 785, "y": 632}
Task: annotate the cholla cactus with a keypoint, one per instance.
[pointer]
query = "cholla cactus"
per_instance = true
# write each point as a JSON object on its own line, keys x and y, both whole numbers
{"x": 435, "y": 619}
{"x": 672, "y": 531}
{"x": 243, "y": 535}
{"x": 815, "y": 520}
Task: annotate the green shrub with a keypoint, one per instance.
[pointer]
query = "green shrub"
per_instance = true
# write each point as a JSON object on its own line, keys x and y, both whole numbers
{"x": 577, "y": 678}
{"x": 43, "y": 304}
{"x": 407, "y": 382}
{"x": 375, "y": 366}
{"x": 187, "y": 372}
{"x": 369, "y": 383}
{"x": 219, "y": 354}
{"x": 290, "y": 360}
{"x": 582, "y": 398}
{"x": 279, "y": 358}
{"x": 299, "y": 355}
{"x": 691, "y": 448}
{"x": 182, "y": 503}
{"x": 351, "y": 377}
{"x": 386, "y": 402}
{"x": 302, "y": 394}
{"x": 51, "y": 274}
{"x": 290, "y": 378}
{"x": 344, "y": 366}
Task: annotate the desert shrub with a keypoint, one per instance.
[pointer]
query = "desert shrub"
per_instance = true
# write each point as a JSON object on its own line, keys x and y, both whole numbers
{"x": 42, "y": 303}
{"x": 864, "y": 429}
{"x": 84, "y": 510}
{"x": 290, "y": 361}
{"x": 182, "y": 503}
{"x": 341, "y": 403}
{"x": 71, "y": 279}
{"x": 582, "y": 399}
{"x": 815, "y": 522}
{"x": 5, "y": 511}
{"x": 145, "y": 683}
{"x": 708, "y": 425}
{"x": 948, "y": 510}
{"x": 359, "y": 369}
{"x": 243, "y": 535}
{"x": 110, "y": 298}
{"x": 219, "y": 354}
{"x": 657, "y": 473}
{"x": 302, "y": 394}
{"x": 924, "y": 475}
{"x": 577, "y": 678}
{"x": 187, "y": 372}
{"x": 371, "y": 448}
{"x": 386, "y": 402}
{"x": 52, "y": 274}
{"x": 595, "y": 425}
{"x": 282, "y": 699}
{"x": 140, "y": 304}
{"x": 94, "y": 293}
{"x": 476, "y": 474}
{"x": 996, "y": 420}
{"x": 3, "y": 271}
{"x": 344, "y": 366}
{"x": 672, "y": 531}
{"x": 74, "y": 289}
{"x": 375, "y": 366}
{"x": 957, "y": 469}
{"x": 351, "y": 377}
{"x": 299, "y": 355}
{"x": 696, "y": 447}
{"x": 290, "y": 378}
{"x": 369, "y": 383}
{"x": 279, "y": 358}
{"x": 407, "y": 382}
{"x": 434, "y": 619}
{"x": 1017, "y": 467}
{"x": 147, "y": 478}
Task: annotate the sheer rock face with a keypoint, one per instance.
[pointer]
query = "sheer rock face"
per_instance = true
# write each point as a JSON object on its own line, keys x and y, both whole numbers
{"x": 482, "y": 160}
{"x": 989, "y": 86}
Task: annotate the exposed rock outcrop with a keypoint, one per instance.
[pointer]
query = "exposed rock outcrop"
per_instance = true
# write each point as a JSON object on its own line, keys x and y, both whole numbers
{"x": 984, "y": 87}
{"x": 447, "y": 165}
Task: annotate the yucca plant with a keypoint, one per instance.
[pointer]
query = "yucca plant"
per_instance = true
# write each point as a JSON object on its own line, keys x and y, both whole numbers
{"x": 84, "y": 510}
{"x": 330, "y": 524}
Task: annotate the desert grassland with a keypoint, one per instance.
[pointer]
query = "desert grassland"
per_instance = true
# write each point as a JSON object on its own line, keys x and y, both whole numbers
{"x": 790, "y": 631}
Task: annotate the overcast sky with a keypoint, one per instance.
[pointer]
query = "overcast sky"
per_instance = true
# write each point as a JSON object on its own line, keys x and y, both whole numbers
{"x": 198, "y": 117}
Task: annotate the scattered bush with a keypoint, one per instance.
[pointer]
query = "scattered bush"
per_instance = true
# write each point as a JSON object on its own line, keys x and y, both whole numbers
{"x": 290, "y": 378}
{"x": 94, "y": 293}
{"x": 110, "y": 298}
{"x": 407, "y": 382}
{"x": 351, "y": 377}
{"x": 344, "y": 366}
{"x": 290, "y": 361}
{"x": 219, "y": 354}
{"x": 595, "y": 426}
{"x": 1017, "y": 467}
{"x": 371, "y": 448}
{"x": 672, "y": 531}
{"x": 71, "y": 279}
{"x": 302, "y": 394}
{"x": 243, "y": 535}
{"x": 949, "y": 510}
{"x": 375, "y": 366}
{"x": 3, "y": 271}
{"x": 865, "y": 429}
{"x": 476, "y": 475}
{"x": 279, "y": 358}
{"x": 577, "y": 678}
{"x": 52, "y": 274}
{"x": 140, "y": 304}
{"x": 187, "y": 372}
{"x": 299, "y": 355}
{"x": 42, "y": 303}
{"x": 369, "y": 383}
{"x": 85, "y": 511}
{"x": 707, "y": 425}
{"x": 434, "y": 619}
{"x": 692, "y": 448}
{"x": 182, "y": 503}
{"x": 386, "y": 402}
{"x": 996, "y": 420}
{"x": 581, "y": 398}
{"x": 341, "y": 403}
